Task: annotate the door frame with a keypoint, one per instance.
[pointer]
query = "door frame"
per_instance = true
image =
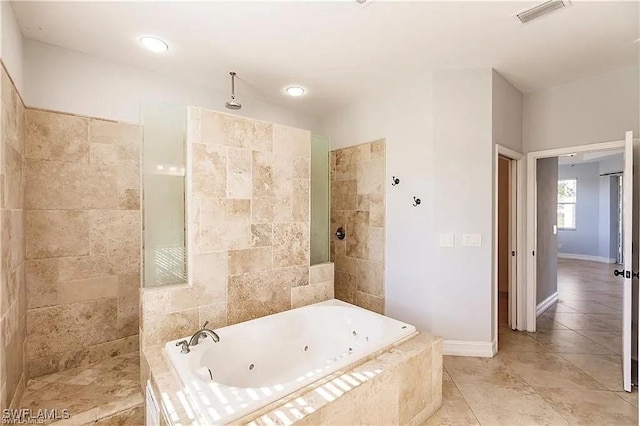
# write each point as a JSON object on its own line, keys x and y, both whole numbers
{"x": 517, "y": 178}
{"x": 530, "y": 283}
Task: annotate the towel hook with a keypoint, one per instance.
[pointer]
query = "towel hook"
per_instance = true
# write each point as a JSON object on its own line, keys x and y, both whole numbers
{"x": 395, "y": 181}
{"x": 416, "y": 201}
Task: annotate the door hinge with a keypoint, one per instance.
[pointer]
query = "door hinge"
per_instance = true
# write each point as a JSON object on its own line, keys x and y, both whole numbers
{"x": 533, "y": 253}
{"x": 513, "y": 253}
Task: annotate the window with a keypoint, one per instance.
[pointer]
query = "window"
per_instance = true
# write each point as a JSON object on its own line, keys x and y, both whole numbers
{"x": 567, "y": 197}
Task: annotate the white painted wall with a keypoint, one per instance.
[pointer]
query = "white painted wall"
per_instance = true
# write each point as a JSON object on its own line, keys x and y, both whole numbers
{"x": 11, "y": 45}
{"x": 70, "y": 81}
{"x": 439, "y": 143}
{"x": 506, "y": 113}
{"x": 596, "y": 109}
{"x": 463, "y": 188}
{"x": 404, "y": 117}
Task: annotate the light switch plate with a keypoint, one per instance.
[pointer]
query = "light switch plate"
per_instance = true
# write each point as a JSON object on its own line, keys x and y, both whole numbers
{"x": 446, "y": 240}
{"x": 472, "y": 240}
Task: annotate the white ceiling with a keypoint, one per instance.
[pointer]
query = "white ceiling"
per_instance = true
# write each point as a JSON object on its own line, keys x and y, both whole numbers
{"x": 591, "y": 157}
{"x": 340, "y": 50}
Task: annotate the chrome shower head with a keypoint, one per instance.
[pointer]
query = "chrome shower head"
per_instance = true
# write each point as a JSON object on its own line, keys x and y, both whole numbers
{"x": 233, "y": 104}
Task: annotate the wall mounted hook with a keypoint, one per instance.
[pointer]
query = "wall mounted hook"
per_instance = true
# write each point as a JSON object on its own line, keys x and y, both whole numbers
{"x": 395, "y": 181}
{"x": 416, "y": 201}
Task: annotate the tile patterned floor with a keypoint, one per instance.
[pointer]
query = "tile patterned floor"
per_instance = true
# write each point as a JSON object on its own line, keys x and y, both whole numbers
{"x": 569, "y": 372}
{"x": 108, "y": 392}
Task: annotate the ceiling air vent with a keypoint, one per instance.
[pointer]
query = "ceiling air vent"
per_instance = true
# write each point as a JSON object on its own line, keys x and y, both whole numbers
{"x": 542, "y": 10}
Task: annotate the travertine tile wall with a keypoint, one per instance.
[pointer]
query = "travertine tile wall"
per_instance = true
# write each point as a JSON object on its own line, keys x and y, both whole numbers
{"x": 248, "y": 233}
{"x": 12, "y": 246}
{"x": 82, "y": 239}
{"x": 358, "y": 206}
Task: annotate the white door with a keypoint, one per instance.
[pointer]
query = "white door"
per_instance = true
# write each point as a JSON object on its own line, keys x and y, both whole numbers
{"x": 513, "y": 229}
{"x": 627, "y": 238}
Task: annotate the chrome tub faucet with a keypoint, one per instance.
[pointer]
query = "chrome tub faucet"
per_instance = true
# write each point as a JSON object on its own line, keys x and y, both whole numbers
{"x": 195, "y": 339}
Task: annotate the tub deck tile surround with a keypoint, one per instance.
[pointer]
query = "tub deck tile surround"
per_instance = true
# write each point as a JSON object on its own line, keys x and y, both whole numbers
{"x": 400, "y": 385}
{"x": 106, "y": 393}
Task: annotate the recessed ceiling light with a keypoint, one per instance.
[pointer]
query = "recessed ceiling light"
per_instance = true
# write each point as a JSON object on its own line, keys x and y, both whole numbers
{"x": 154, "y": 44}
{"x": 294, "y": 91}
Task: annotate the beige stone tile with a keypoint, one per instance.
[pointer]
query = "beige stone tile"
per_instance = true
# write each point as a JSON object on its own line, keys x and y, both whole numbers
{"x": 59, "y": 328}
{"x": 568, "y": 341}
{"x": 370, "y": 176}
{"x": 42, "y": 282}
{"x": 57, "y": 233}
{"x": 344, "y": 195}
{"x": 590, "y": 407}
{"x": 11, "y": 118}
{"x": 370, "y": 302}
{"x": 210, "y": 273}
{"x": 376, "y": 244}
{"x": 55, "y": 136}
{"x": 301, "y": 201}
{"x": 630, "y": 397}
{"x": 128, "y": 199}
{"x": 18, "y": 239}
{"x": 128, "y": 295}
{"x": 415, "y": 393}
{"x": 301, "y": 168}
{"x": 239, "y": 181}
{"x": 454, "y": 411}
{"x": 290, "y": 244}
{"x": 370, "y": 277}
{"x": 159, "y": 329}
{"x": 493, "y": 371}
{"x": 579, "y": 321}
{"x": 250, "y": 260}
{"x": 357, "y": 228}
{"x": 605, "y": 369}
{"x": 255, "y": 295}
{"x": 603, "y": 322}
{"x": 64, "y": 185}
{"x": 589, "y": 307}
{"x": 261, "y": 234}
{"x": 290, "y": 141}
{"x": 321, "y": 273}
{"x": 109, "y": 132}
{"x": 264, "y": 187}
{"x": 128, "y": 325}
{"x": 611, "y": 340}
{"x": 209, "y": 177}
{"x": 377, "y": 149}
{"x": 549, "y": 370}
{"x": 504, "y": 405}
{"x": 80, "y": 267}
{"x": 518, "y": 341}
{"x": 231, "y": 130}
{"x": 116, "y": 235}
{"x": 13, "y": 178}
{"x": 345, "y": 287}
{"x": 344, "y": 171}
{"x": 103, "y": 154}
{"x": 156, "y": 302}
{"x": 222, "y": 224}
{"x": 88, "y": 289}
{"x": 353, "y": 154}
{"x": 215, "y": 314}
{"x": 294, "y": 276}
{"x": 377, "y": 209}
{"x": 545, "y": 322}
{"x": 312, "y": 293}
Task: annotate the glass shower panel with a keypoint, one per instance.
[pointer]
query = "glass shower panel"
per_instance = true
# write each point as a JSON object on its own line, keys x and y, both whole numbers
{"x": 164, "y": 128}
{"x": 320, "y": 187}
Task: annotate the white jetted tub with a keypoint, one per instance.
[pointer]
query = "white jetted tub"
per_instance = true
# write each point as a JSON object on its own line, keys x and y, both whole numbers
{"x": 260, "y": 361}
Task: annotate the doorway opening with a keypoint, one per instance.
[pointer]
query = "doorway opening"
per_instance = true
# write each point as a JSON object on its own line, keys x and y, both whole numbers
{"x": 509, "y": 176}
{"x": 579, "y": 299}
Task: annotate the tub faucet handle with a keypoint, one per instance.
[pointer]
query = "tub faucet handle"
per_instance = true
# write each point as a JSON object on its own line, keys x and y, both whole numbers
{"x": 205, "y": 325}
{"x": 185, "y": 346}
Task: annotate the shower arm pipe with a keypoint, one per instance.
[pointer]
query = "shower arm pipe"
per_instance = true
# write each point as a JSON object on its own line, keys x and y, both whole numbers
{"x": 233, "y": 84}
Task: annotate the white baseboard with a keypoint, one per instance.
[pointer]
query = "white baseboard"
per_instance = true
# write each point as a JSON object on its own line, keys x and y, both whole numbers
{"x": 586, "y": 257}
{"x": 464, "y": 348}
{"x": 546, "y": 304}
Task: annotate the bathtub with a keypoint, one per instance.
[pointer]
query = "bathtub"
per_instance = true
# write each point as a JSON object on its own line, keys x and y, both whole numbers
{"x": 260, "y": 361}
